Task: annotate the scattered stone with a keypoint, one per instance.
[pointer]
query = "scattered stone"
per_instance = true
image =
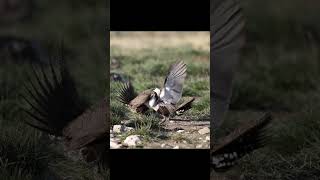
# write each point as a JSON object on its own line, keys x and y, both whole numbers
{"x": 176, "y": 147}
{"x": 200, "y": 138}
{"x": 180, "y": 131}
{"x": 132, "y": 140}
{"x": 163, "y": 145}
{"x": 118, "y": 128}
{"x": 199, "y": 146}
{"x": 116, "y": 140}
{"x": 207, "y": 138}
{"x": 184, "y": 141}
{"x": 204, "y": 130}
{"x": 114, "y": 145}
{"x": 171, "y": 121}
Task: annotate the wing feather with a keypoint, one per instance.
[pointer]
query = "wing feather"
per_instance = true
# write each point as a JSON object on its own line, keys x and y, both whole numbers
{"x": 172, "y": 91}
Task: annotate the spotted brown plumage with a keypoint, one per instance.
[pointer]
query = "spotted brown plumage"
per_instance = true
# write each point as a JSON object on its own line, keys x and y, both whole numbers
{"x": 242, "y": 141}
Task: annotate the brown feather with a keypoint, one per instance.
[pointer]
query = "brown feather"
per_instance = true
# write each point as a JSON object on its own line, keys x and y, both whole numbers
{"x": 166, "y": 109}
{"x": 139, "y": 101}
{"x": 185, "y": 106}
{"x": 242, "y": 141}
{"x": 88, "y": 127}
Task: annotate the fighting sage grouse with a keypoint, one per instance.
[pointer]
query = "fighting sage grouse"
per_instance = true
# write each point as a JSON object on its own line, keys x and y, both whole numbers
{"x": 242, "y": 141}
{"x": 58, "y": 109}
{"x": 163, "y": 101}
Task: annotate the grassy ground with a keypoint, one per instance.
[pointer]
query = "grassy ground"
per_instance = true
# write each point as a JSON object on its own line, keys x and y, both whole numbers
{"x": 25, "y": 152}
{"x": 142, "y": 55}
{"x": 280, "y": 71}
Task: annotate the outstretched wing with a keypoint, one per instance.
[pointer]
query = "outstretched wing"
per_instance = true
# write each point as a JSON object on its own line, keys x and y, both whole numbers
{"x": 53, "y": 99}
{"x": 173, "y": 84}
{"x": 227, "y": 38}
{"x": 125, "y": 93}
{"x": 242, "y": 141}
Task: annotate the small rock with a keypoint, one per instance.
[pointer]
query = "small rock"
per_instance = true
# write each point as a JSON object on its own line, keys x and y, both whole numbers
{"x": 180, "y": 131}
{"x": 208, "y": 138}
{"x": 171, "y": 121}
{"x": 200, "y": 138}
{"x": 116, "y": 140}
{"x": 163, "y": 145}
{"x": 132, "y": 140}
{"x": 184, "y": 141}
{"x": 199, "y": 146}
{"x": 176, "y": 147}
{"x": 118, "y": 128}
{"x": 114, "y": 145}
{"x": 205, "y": 130}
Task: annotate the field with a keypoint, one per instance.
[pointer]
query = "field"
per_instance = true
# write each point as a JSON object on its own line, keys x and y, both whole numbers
{"x": 25, "y": 153}
{"x": 145, "y": 58}
{"x": 279, "y": 71}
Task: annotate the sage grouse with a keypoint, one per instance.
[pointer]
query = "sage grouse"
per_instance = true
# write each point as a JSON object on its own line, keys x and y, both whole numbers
{"x": 245, "y": 139}
{"x": 57, "y": 109}
{"x": 163, "y": 101}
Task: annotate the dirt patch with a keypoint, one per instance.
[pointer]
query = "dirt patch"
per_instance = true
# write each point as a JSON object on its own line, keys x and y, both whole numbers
{"x": 184, "y": 134}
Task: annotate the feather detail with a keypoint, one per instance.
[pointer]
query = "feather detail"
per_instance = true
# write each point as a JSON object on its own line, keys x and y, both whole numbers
{"x": 53, "y": 98}
{"x": 242, "y": 141}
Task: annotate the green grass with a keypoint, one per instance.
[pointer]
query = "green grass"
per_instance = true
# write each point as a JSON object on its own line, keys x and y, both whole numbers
{"x": 279, "y": 71}
{"x": 141, "y": 65}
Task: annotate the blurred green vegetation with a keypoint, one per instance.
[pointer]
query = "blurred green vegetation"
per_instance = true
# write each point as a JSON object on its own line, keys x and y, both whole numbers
{"x": 279, "y": 71}
{"x": 26, "y": 153}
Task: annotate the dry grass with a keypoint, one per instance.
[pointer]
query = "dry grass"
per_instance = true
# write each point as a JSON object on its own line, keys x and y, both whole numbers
{"x": 154, "y": 40}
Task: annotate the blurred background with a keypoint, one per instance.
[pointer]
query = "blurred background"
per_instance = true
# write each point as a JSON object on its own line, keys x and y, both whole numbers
{"x": 279, "y": 71}
{"x": 30, "y": 32}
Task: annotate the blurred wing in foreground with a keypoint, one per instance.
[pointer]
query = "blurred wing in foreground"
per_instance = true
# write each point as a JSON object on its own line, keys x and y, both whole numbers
{"x": 242, "y": 141}
{"x": 227, "y": 38}
{"x": 53, "y": 99}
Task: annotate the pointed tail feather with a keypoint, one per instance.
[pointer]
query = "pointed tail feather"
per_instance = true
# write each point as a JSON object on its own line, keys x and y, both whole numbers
{"x": 241, "y": 142}
{"x": 184, "y": 107}
{"x": 125, "y": 93}
{"x": 53, "y": 98}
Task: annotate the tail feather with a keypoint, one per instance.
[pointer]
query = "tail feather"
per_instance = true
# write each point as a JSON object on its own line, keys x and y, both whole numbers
{"x": 184, "y": 106}
{"x": 241, "y": 142}
{"x": 54, "y": 100}
{"x": 125, "y": 93}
